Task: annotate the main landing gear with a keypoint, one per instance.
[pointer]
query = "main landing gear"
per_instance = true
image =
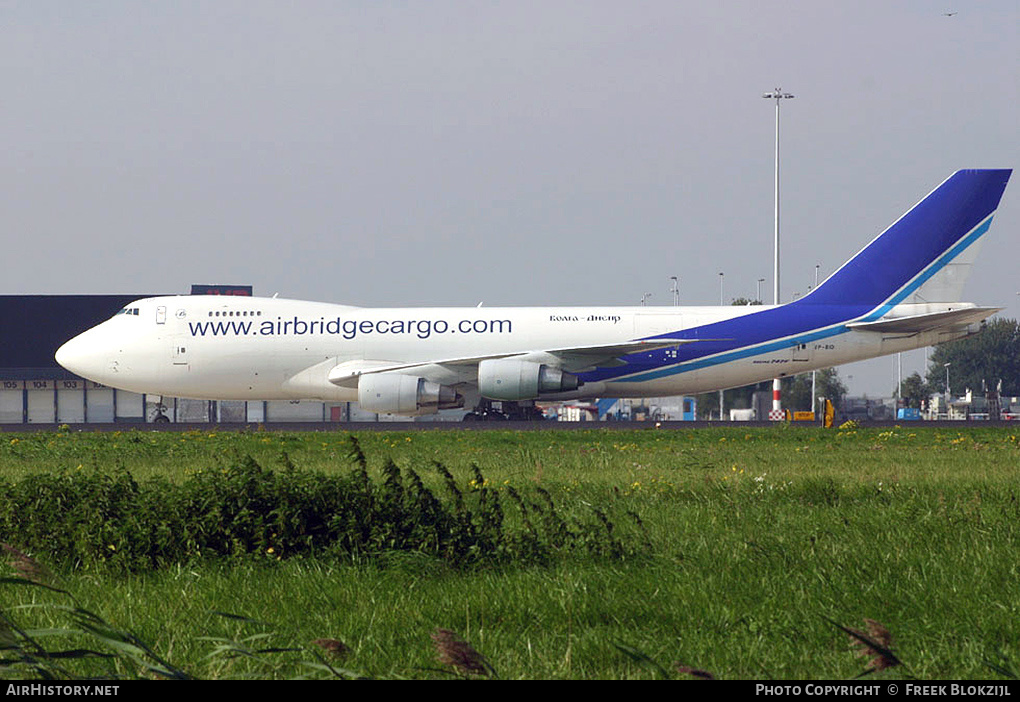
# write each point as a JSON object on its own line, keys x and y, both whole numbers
{"x": 504, "y": 410}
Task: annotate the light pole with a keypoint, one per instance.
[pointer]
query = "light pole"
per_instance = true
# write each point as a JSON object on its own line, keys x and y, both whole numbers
{"x": 720, "y": 304}
{"x": 899, "y": 380}
{"x": 948, "y": 394}
{"x": 760, "y": 281}
{"x": 676, "y": 290}
{"x": 814, "y": 396}
{"x": 778, "y": 95}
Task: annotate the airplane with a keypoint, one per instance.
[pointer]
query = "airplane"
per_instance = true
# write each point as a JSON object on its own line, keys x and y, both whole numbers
{"x": 902, "y": 291}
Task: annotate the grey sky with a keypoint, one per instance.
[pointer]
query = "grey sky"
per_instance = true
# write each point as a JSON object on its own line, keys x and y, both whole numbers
{"x": 519, "y": 153}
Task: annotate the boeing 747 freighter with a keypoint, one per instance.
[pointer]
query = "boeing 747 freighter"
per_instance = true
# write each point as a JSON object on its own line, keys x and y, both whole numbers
{"x": 902, "y": 291}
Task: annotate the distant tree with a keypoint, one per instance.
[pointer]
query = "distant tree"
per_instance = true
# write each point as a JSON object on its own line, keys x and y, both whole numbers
{"x": 743, "y": 301}
{"x": 833, "y": 388}
{"x": 989, "y": 356}
{"x": 796, "y": 391}
{"x": 914, "y": 390}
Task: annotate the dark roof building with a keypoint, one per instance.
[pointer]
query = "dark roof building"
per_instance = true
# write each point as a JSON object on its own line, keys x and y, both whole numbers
{"x": 32, "y": 328}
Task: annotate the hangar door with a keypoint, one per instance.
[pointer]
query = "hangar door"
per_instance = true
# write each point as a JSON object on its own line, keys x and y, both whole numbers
{"x": 41, "y": 401}
{"x": 12, "y": 402}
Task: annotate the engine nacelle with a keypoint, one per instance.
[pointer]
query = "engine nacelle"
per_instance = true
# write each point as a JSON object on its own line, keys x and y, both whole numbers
{"x": 393, "y": 393}
{"x": 515, "y": 379}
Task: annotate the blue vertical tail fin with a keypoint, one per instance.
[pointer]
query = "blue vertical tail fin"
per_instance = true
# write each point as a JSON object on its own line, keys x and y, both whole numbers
{"x": 925, "y": 255}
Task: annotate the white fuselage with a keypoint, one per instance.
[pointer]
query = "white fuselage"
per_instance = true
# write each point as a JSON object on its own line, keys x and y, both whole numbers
{"x": 247, "y": 348}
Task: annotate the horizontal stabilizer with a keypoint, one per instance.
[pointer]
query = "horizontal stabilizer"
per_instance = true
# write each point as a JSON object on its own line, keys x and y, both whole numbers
{"x": 918, "y": 323}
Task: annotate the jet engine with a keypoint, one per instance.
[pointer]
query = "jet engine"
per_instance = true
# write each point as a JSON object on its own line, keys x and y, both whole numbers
{"x": 394, "y": 393}
{"x": 514, "y": 379}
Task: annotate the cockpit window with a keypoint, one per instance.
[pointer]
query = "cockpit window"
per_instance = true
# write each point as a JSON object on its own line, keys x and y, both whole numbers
{"x": 128, "y": 310}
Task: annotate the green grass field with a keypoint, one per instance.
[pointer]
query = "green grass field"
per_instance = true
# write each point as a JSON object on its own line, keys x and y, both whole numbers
{"x": 736, "y": 551}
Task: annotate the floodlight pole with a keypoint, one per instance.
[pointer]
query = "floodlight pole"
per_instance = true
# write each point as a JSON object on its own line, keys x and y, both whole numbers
{"x": 721, "y": 399}
{"x": 777, "y": 95}
{"x": 814, "y": 396}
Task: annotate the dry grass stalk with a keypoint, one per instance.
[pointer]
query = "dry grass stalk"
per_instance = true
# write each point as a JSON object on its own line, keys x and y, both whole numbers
{"x": 453, "y": 651}
{"x": 24, "y": 565}
{"x": 694, "y": 672}
{"x": 876, "y": 645}
{"x": 334, "y": 647}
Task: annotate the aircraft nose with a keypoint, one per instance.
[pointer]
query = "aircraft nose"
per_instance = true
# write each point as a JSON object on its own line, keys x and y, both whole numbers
{"x": 84, "y": 357}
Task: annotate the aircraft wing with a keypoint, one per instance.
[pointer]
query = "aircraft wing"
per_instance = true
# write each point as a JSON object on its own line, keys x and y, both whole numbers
{"x": 346, "y": 374}
{"x": 918, "y": 323}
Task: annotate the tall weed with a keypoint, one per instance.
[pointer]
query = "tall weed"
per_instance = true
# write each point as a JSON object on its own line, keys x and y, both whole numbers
{"x": 91, "y": 518}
